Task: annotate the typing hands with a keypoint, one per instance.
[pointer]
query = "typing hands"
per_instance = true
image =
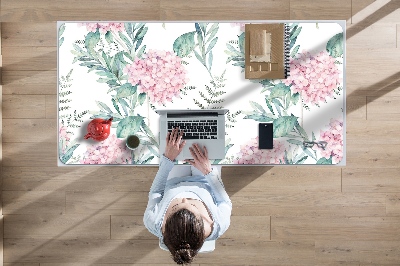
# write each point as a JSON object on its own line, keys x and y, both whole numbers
{"x": 174, "y": 144}
{"x": 200, "y": 159}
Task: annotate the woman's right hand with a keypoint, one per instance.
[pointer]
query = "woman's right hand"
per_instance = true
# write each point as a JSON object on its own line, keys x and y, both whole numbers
{"x": 200, "y": 159}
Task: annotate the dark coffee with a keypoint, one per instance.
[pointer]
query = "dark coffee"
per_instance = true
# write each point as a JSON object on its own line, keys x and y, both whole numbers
{"x": 132, "y": 142}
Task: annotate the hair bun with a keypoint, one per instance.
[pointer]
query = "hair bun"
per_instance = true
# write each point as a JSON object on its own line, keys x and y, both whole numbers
{"x": 183, "y": 255}
{"x": 184, "y": 245}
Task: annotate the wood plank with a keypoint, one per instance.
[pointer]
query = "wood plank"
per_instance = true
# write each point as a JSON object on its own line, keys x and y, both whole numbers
{"x": 383, "y": 108}
{"x": 29, "y": 82}
{"x": 335, "y": 228}
{"x": 21, "y": 264}
{"x": 24, "y": 106}
{"x": 249, "y": 227}
{"x": 384, "y": 180}
{"x": 42, "y": 10}
{"x": 40, "y": 62}
{"x": 29, "y": 130}
{"x": 28, "y": 34}
{"x": 370, "y": 12}
{"x": 30, "y": 154}
{"x": 384, "y": 36}
{"x": 239, "y": 252}
{"x": 228, "y": 251}
{"x": 1, "y": 238}
{"x": 393, "y": 204}
{"x": 374, "y": 75}
{"x": 113, "y": 264}
{"x": 269, "y": 179}
{"x": 107, "y": 203}
{"x": 373, "y": 131}
{"x": 368, "y": 155}
{"x": 224, "y": 10}
{"x": 28, "y": 51}
{"x": 53, "y": 226}
{"x": 356, "y": 108}
{"x": 358, "y": 6}
{"x": 85, "y": 251}
{"x": 129, "y": 227}
{"x": 309, "y": 204}
{"x": 364, "y": 252}
{"x": 33, "y": 202}
{"x": 51, "y": 106}
{"x": 78, "y": 178}
{"x": 325, "y": 9}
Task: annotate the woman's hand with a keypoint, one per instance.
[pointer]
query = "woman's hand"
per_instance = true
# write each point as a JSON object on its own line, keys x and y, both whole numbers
{"x": 174, "y": 144}
{"x": 200, "y": 159}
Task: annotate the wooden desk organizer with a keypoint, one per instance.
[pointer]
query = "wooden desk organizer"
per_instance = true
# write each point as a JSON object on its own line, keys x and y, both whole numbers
{"x": 265, "y": 51}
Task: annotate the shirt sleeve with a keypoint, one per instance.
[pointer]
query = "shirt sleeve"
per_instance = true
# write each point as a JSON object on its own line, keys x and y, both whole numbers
{"x": 222, "y": 199}
{"x": 156, "y": 194}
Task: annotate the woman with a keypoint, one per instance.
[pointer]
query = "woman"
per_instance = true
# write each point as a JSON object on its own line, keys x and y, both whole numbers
{"x": 186, "y": 210}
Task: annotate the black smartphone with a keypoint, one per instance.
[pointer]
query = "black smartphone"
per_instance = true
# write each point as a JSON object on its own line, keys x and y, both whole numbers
{"x": 265, "y": 136}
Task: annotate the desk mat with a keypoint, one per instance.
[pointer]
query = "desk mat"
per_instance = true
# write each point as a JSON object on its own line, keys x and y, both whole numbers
{"x": 127, "y": 70}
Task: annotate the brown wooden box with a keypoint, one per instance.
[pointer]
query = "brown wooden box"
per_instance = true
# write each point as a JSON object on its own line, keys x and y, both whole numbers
{"x": 265, "y": 51}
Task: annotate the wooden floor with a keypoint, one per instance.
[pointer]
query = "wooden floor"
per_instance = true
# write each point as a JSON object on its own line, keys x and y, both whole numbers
{"x": 281, "y": 215}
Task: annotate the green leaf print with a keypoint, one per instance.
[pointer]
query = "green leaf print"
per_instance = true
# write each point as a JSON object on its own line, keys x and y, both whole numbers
{"x": 257, "y": 106}
{"x": 258, "y": 117}
{"x": 211, "y": 45}
{"x": 210, "y": 59}
{"x": 104, "y": 107}
{"x": 116, "y": 106}
{"x": 68, "y": 154}
{"x": 142, "y": 98}
{"x": 279, "y": 91}
{"x": 108, "y": 36}
{"x": 335, "y": 45}
{"x": 302, "y": 132}
{"x": 241, "y": 42}
{"x": 150, "y": 135}
{"x": 212, "y": 32}
{"x": 184, "y": 44}
{"x": 323, "y": 160}
{"x": 284, "y": 125}
{"x": 269, "y": 105}
{"x": 294, "y": 51}
{"x": 128, "y": 126}
{"x": 91, "y": 40}
{"x": 295, "y": 98}
{"x": 301, "y": 160}
{"x": 295, "y": 142}
{"x": 129, "y": 28}
{"x": 125, "y": 90}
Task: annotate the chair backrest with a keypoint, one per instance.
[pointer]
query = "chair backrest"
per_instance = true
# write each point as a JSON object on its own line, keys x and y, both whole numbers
{"x": 208, "y": 246}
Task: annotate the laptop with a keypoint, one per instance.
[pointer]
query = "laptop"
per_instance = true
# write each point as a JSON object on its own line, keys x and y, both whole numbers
{"x": 206, "y": 127}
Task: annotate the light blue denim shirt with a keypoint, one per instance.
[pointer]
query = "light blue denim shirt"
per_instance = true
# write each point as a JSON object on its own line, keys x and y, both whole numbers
{"x": 209, "y": 188}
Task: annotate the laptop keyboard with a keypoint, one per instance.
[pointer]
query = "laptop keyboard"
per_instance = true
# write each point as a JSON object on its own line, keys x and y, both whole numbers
{"x": 195, "y": 129}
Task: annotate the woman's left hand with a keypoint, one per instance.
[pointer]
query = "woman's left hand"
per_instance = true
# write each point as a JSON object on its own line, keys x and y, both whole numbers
{"x": 174, "y": 144}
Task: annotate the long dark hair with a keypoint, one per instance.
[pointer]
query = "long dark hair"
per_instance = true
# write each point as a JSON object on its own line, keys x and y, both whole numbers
{"x": 184, "y": 235}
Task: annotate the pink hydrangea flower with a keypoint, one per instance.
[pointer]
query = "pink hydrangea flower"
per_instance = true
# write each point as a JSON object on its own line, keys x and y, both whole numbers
{"x": 65, "y": 136}
{"x": 110, "y": 151}
{"x": 63, "y": 133}
{"x": 314, "y": 77}
{"x": 103, "y": 27}
{"x": 160, "y": 74}
{"x": 334, "y": 137}
{"x": 241, "y": 25}
{"x": 250, "y": 154}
